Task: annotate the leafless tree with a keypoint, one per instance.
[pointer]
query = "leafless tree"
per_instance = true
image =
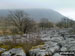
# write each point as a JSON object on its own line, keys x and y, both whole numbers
{"x": 45, "y": 23}
{"x": 21, "y": 21}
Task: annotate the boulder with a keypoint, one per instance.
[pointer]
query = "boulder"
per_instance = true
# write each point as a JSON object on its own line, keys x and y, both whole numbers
{"x": 56, "y": 54}
{"x": 14, "y": 51}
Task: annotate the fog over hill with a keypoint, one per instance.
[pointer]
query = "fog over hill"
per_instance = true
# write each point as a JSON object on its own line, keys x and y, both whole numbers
{"x": 37, "y": 14}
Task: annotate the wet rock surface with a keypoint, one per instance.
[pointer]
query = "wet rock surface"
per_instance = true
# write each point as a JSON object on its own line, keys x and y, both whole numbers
{"x": 55, "y": 40}
{"x": 14, "y": 52}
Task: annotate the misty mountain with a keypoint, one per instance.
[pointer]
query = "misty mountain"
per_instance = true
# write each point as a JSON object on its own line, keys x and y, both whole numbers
{"x": 52, "y": 15}
{"x": 37, "y": 14}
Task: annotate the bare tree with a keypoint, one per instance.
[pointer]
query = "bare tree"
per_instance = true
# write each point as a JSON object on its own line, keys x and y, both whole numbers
{"x": 21, "y": 21}
{"x": 45, "y": 23}
{"x": 65, "y": 23}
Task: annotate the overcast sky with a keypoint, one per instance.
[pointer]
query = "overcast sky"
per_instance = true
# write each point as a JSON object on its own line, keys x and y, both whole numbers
{"x": 65, "y": 7}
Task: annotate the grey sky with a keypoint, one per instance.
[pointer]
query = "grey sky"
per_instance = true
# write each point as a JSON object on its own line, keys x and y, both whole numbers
{"x": 65, "y": 7}
{"x": 47, "y": 4}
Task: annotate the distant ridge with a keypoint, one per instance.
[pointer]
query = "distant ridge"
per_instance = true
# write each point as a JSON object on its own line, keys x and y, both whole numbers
{"x": 37, "y": 14}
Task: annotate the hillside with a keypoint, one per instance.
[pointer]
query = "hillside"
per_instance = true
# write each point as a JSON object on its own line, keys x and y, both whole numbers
{"x": 37, "y": 14}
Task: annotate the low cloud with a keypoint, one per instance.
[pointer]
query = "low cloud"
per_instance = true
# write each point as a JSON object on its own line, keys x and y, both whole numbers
{"x": 68, "y": 12}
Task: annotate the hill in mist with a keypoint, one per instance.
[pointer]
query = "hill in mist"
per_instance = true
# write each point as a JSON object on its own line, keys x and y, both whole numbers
{"x": 37, "y": 14}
